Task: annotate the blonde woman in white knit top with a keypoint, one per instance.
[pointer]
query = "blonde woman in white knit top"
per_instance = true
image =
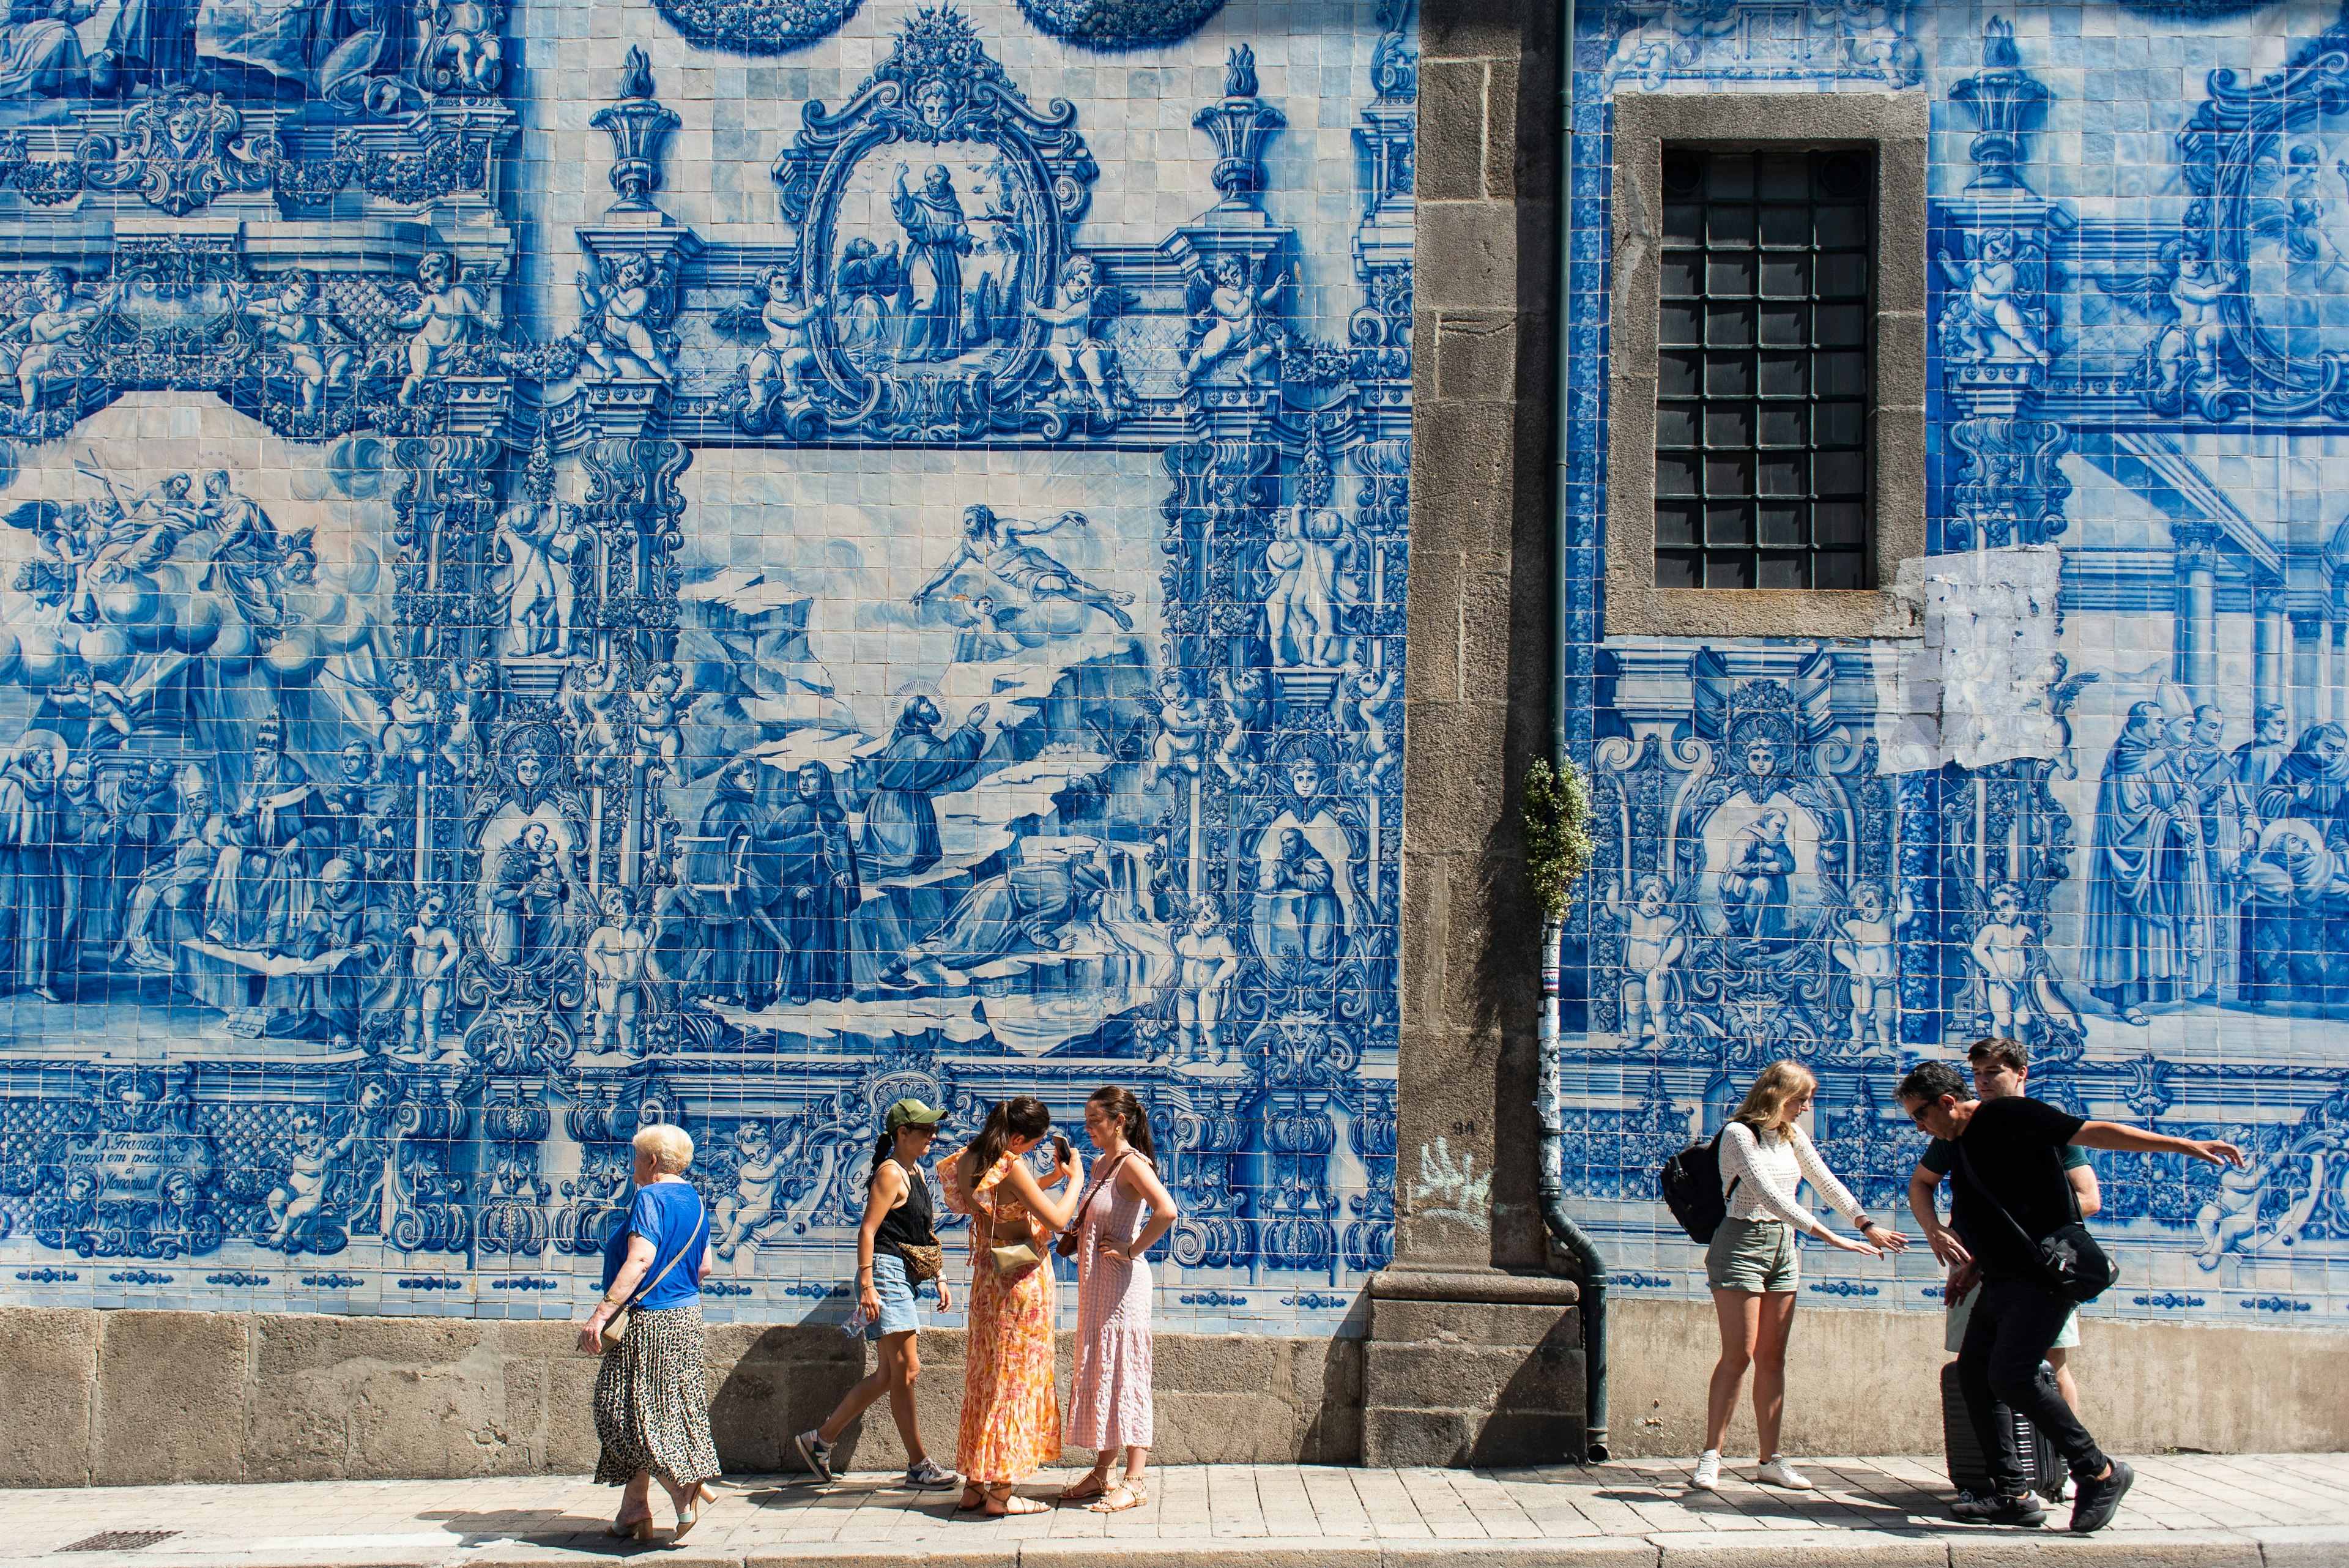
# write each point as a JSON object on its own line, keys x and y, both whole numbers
{"x": 1752, "y": 1264}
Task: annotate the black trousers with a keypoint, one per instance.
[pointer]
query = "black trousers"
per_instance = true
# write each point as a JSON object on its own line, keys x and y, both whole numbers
{"x": 2015, "y": 1322}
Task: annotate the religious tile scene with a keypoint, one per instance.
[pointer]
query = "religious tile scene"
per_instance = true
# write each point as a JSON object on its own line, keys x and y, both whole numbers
{"x": 570, "y": 566}
{"x": 2101, "y": 803}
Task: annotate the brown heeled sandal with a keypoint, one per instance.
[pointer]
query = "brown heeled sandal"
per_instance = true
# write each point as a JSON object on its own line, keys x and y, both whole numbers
{"x": 1093, "y": 1483}
{"x": 1136, "y": 1494}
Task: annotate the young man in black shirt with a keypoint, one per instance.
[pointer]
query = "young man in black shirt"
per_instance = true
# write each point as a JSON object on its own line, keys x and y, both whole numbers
{"x": 2011, "y": 1154}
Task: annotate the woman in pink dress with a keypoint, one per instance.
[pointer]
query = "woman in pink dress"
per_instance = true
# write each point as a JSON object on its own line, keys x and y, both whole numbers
{"x": 1111, "y": 1407}
{"x": 1010, "y": 1410}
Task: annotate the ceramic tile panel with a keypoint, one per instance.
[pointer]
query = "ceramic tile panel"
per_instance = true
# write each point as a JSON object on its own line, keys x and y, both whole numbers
{"x": 2102, "y": 805}
{"x": 722, "y": 562}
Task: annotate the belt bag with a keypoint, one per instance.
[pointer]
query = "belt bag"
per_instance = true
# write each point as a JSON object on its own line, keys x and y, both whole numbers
{"x": 921, "y": 1263}
{"x": 2071, "y": 1263}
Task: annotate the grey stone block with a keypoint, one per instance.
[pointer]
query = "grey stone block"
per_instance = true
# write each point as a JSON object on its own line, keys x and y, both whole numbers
{"x": 567, "y": 1441}
{"x": 1474, "y": 1324}
{"x": 1223, "y": 1551}
{"x": 1213, "y": 1363}
{"x": 51, "y": 1354}
{"x": 1466, "y": 29}
{"x": 1240, "y": 1428}
{"x": 1452, "y": 131}
{"x": 2136, "y": 1548}
{"x": 1463, "y": 476}
{"x": 1510, "y": 1437}
{"x": 1449, "y": 1376}
{"x": 834, "y": 1552}
{"x": 341, "y": 1396}
{"x": 1400, "y": 1438}
{"x": 1477, "y": 354}
{"x": 1579, "y": 1553}
{"x": 1465, "y": 255}
{"x": 1506, "y": 142}
{"x": 173, "y": 1397}
{"x": 1769, "y": 1549}
{"x": 2303, "y": 1546}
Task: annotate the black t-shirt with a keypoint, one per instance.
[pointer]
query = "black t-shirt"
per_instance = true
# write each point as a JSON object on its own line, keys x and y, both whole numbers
{"x": 2015, "y": 1147}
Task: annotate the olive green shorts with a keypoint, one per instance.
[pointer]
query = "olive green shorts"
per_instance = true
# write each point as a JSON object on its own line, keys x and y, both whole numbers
{"x": 1753, "y": 1255}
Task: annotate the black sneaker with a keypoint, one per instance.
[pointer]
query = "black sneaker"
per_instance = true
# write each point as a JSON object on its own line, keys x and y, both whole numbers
{"x": 815, "y": 1452}
{"x": 2023, "y": 1510}
{"x": 2099, "y": 1500}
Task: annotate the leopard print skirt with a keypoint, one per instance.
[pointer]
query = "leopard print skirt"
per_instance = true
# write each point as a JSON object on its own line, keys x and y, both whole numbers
{"x": 652, "y": 1406}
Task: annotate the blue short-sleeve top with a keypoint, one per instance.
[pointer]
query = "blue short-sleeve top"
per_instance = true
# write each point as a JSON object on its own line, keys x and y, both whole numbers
{"x": 669, "y": 1214}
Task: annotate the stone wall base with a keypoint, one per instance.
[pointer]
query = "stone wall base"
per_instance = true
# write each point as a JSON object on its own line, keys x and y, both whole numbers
{"x": 1862, "y": 1382}
{"x": 117, "y": 1398}
{"x": 1472, "y": 1368}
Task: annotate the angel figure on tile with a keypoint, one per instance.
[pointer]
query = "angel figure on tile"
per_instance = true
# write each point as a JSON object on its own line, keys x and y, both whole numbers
{"x": 1234, "y": 317}
{"x": 1862, "y": 944}
{"x": 627, "y": 303}
{"x": 1653, "y": 942}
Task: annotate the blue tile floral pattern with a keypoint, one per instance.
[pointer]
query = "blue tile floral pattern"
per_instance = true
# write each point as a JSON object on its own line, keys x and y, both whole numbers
{"x": 2098, "y": 804}
{"x": 569, "y": 567}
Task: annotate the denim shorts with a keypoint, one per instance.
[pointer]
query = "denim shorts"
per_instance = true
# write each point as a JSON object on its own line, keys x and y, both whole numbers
{"x": 1753, "y": 1255}
{"x": 896, "y": 1298}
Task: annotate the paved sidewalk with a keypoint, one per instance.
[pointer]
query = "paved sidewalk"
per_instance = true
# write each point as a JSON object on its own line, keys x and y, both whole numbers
{"x": 2289, "y": 1511}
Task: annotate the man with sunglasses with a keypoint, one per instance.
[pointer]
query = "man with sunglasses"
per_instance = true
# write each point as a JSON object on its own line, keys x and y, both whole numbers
{"x": 2009, "y": 1158}
{"x": 2001, "y": 1068}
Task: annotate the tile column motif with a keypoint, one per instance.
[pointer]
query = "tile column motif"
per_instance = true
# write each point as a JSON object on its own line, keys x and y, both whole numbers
{"x": 2196, "y": 637}
{"x": 2309, "y": 657}
{"x": 2269, "y": 633}
{"x": 2337, "y": 709}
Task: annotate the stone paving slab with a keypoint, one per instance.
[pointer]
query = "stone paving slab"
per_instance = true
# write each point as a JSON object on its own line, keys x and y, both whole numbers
{"x": 2185, "y": 1512}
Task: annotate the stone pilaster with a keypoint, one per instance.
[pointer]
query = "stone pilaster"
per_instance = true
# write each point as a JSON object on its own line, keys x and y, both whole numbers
{"x": 1474, "y": 1352}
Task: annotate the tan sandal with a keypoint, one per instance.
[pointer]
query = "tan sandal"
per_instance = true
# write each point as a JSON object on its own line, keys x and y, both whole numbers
{"x": 1003, "y": 1502}
{"x": 1093, "y": 1483}
{"x": 1136, "y": 1494}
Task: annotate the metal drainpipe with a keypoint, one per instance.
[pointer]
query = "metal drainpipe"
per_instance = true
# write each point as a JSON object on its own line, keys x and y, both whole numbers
{"x": 1549, "y": 1106}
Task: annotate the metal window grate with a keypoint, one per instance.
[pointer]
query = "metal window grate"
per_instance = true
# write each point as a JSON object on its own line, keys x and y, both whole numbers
{"x": 1761, "y": 393}
{"x": 119, "y": 1540}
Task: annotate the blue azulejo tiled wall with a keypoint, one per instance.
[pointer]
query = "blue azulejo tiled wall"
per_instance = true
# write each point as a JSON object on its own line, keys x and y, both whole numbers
{"x": 2103, "y": 804}
{"x": 572, "y": 565}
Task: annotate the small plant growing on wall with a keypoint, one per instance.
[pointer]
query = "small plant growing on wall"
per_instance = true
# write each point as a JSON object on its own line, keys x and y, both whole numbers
{"x": 1555, "y": 815}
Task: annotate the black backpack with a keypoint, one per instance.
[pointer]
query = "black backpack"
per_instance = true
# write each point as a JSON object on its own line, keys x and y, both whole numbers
{"x": 1690, "y": 1181}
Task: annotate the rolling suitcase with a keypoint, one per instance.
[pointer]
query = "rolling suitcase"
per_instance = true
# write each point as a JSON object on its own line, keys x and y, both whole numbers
{"x": 1969, "y": 1472}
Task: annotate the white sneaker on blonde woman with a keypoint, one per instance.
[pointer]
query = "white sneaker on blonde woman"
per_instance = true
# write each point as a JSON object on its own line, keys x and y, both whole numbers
{"x": 1708, "y": 1472}
{"x": 1778, "y": 1472}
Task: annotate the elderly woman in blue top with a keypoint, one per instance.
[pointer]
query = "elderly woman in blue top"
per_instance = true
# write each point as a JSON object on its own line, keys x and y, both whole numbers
{"x": 651, "y": 1404}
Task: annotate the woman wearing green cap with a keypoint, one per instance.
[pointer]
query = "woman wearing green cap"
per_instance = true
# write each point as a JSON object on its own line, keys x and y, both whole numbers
{"x": 896, "y": 1250}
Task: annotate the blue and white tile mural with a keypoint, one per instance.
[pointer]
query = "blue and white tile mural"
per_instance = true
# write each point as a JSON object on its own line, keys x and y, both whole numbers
{"x": 717, "y": 561}
{"x": 2104, "y": 805}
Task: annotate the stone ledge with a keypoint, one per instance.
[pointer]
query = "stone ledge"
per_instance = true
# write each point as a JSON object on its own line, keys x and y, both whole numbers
{"x": 138, "y": 1397}
{"x": 1486, "y": 1285}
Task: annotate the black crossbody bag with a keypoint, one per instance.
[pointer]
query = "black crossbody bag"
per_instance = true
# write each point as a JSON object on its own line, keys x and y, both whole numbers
{"x": 2074, "y": 1266}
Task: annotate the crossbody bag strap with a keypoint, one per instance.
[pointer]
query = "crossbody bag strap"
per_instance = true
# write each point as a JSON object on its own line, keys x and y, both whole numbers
{"x": 1965, "y": 1163}
{"x": 1095, "y": 1185}
{"x": 647, "y": 1287}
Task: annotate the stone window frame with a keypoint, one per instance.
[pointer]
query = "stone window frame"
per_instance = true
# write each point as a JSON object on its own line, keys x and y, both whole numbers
{"x": 1895, "y": 127}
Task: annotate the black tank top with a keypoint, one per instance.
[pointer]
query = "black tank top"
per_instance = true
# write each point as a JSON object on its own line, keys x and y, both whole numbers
{"x": 910, "y": 1223}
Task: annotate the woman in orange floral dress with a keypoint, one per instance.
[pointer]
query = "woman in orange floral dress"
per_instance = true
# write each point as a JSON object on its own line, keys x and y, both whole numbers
{"x": 1010, "y": 1410}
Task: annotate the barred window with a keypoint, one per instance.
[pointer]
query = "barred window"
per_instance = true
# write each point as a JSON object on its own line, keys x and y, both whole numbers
{"x": 1763, "y": 396}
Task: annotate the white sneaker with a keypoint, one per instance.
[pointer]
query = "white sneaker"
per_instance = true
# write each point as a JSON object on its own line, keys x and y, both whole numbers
{"x": 1708, "y": 1472}
{"x": 1778, "y": 1472}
